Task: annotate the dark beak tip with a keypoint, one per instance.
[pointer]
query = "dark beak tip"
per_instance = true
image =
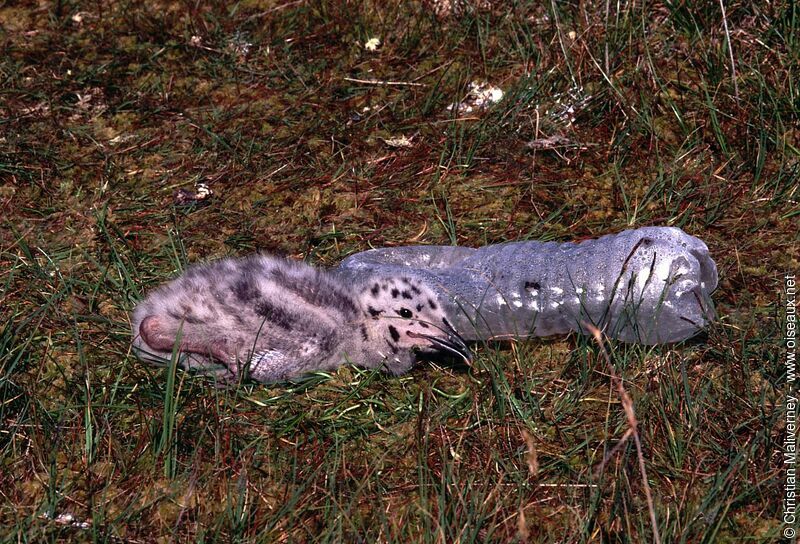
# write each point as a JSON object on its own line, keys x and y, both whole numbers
{"x": 463, "y": 351}
{"x": 450, "y": 345}
{"x": 462, "y": 348}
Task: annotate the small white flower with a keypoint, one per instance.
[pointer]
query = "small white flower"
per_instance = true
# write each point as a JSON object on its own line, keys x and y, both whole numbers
{"x": 372, "y": 44}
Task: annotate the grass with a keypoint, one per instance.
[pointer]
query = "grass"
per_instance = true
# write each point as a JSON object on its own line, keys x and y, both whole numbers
{"x": 108, "y": 108}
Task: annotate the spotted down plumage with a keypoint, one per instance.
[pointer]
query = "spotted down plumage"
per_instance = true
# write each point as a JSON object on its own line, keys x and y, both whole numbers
{"x": 271, "y": 319}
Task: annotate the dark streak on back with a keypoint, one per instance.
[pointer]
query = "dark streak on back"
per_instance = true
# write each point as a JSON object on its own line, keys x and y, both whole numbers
{"x": 274, "y": 315}
{"x": 245, "y": 289}
{"x": 321, "y": 293}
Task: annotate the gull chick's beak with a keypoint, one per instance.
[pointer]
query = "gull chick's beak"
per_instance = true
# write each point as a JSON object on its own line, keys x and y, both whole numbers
{"x": 453, "y": 343}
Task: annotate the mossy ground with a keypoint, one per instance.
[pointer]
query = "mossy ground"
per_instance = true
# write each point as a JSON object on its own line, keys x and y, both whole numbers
{"x": 107, "y": 108}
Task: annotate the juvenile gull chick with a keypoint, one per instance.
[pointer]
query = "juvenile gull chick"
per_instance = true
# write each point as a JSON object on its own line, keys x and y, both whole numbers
{"x": 273, "y": 319}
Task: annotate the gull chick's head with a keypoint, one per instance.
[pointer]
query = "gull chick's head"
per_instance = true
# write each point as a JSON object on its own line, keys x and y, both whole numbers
{"x": 405, "y": 316}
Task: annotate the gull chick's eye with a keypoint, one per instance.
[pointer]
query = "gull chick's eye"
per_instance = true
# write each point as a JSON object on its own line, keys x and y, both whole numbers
{"x": 405, "y": 312}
